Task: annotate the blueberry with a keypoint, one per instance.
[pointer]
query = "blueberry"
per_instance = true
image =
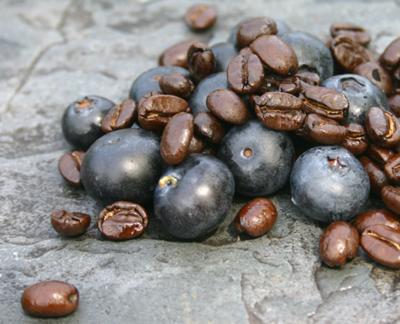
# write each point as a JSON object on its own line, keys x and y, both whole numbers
{"x": 204, "y": 88}
{"x": 311, "y": 53}
{"x": 148, "y": 81}
{"x": 122, "y": 165}
{"x": 223, "y": 53}
{"x": 81, "y": 122}
{"x": 192, "y": 199}
{"x": 259, "y": 158}
{"x": 361, "y": 94}
{"x": 328, "y": 183}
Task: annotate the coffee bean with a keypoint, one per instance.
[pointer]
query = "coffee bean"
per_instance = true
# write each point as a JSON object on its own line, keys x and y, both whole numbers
{"x": 256, "y": 218}
{"x": 392, "y": 169}
{"x": 376, "y": 217}
{"x": 383, "y": 128}
{"x": 175, "y": 141}
{"x": 176, "y": 84}
{"x": 391, "y": 198}
{"x": 197, "y": 145}
{"x": 200, "y": 17}
{"x": 275, "y": 54}
{"x": 356, "y": 33}
{"x": 122, "y": 221}
{"x": 382, "y": 244}
{"x": 50, "y": 299}
{"x": 209, "y": 127}
{"x": 176, "y": 55}
{"x": 338, "y": 244}
{"x": 394, "y": 104}
{"x": 155, "y": 111}
{"x": 120, "y": 116}
{"x": 379, "y": 154}
{"x": 69, "y": 223}
{"x": 69, "y": 166}
{"x": 279, "y": 111}
{"x": 390, "y": 58}
{"x": 277, "y": 83}
{"x": 201, "y": 61}
{"x": 252, "y": 28}
{"x": 356, "y": 139}
{"x": 245, "y": 73}
{"x": 325, "y": 102}
{"x": 377, "y": 75}
{"x": 377, "y": 176}
{"x": 308, "y": 78}
{"x": 228, "y": 106}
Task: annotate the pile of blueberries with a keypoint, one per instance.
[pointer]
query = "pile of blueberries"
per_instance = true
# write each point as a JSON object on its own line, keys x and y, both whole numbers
{"x": 246, "y": 117}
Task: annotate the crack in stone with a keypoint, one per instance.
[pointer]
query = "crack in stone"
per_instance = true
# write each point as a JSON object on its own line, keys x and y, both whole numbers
{"x": 251, "y": 316}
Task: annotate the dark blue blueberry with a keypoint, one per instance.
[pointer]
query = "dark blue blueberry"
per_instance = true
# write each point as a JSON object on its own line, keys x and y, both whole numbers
{"x": 192, "y": 199}
{"x": 361, "y": 94}
{"x": 223, "y": 53}
{"x": 259, "y": 158}
{"x": 81, "y": 122}
{"x": 204, "y": 88}
{"x": 122, "y": 165}
{"x": 328, "y": 183}
{"x": 311, "y": 53}
{"x": 148, "y": 81}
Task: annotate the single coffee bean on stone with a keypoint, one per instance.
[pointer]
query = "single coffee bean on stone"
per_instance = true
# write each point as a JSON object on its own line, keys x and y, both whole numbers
{"x": 375, "y": 73}
{"x": 256, "y": 218}
{"x": 50, "y": 299}
{"x": 120, "y": 116}
{"x": 379, "y": 154}
{"x": 228, "y": 106}
{"x": 69, "y": 223}
{"x": 69, "y": 166}
{"x": 176, "y": 55}
{"x": 176, "y": 84}
{"x": 356, "y": 139}
{"x": 391, "y": 198}
{"x": 338, "y": 244}
{"x": 176, "y": 138}
{"x": 197, "y": 145}
{"x": 377, "y": 176}
{"x": 252, "y": 28}
{"x": 122, "y": 220}
{"x": 390, "y": 58}
{"x": 201, "y": 61}
{"x": 376, "y": 217}
{"x": 357, "y": 33}
{"x": 382, "y": 244}
{"x": 209, "y": 127}
{"x": 200, "y": 17}
{"x": 394, "y": 104}
{"x": 392, "y": 169}
{"x": 383, "y": 128}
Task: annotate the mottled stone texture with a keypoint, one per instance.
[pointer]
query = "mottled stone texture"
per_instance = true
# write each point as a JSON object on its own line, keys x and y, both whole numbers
{"x": 53, "y": 51}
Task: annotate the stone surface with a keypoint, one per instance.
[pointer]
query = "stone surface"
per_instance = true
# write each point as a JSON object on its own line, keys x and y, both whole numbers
{"x": 52, "y": 52}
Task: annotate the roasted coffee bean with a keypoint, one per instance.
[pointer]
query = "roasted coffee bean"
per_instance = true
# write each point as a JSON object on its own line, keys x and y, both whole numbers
{"x": 252, "y": 28}
{"x": 338, "y": 244}
{"x": 377, "y": 176}
{"x": 279, "y": 111}
{"x": 277, "y": 83}
{"x": 228, "y": 106}
{"x": 50, "y": 299}
{"x": 394, "y": 104}
{"x": 323, "y": 130}
{"x": 176, "y": 55}
{"x": 291, "y": 85}
{"x": 256, "y": 218}
{"x": 376, "y": 217}
{"x": 391, "y": 198}
{"x": 200, "y": 17}
{"x": 176, "y": 84}
{"x": 122, "y": 221}
{"x": 201, "y": 61}
{"x": 69, "y": 166}
{"x": 390, "y": 58}
{"x": 348, "y": 53}
{"x": 197, "y": 145}
{"x": 356, "y": 139}
{"x": 275, "y": 54}
{"x": 176, "y": 137}
{"x": 379, "y": 154}
{"x": 382, "y": 244}
{"x": 325, "y": 102}
{"x": 209, "y": 127}
{"x": 377, "y": 75}
{"x": 392, "y": 169}
{"x": 120, "y": 116}
{"x": 155, "y": 111}
{"x": 307, "y": 79}
{"x": 357, "y": 33}
{"x": 245, "y": 73}
{"x": 69, "y": 223}
{"x": 383, "y": 128}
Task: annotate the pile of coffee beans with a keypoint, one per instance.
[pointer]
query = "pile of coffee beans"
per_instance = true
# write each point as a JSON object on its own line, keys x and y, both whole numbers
{"x": 268, "y": 108}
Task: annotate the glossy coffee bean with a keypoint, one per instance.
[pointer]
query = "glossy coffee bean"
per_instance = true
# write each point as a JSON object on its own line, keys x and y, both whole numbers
{"x": 357, "y": 33}
{"x": 69, "y": 223}
{"x": 197, "y": 145}
{"x": 228, "y": 106}
{"x": 356, "y": 139}
{"x": 307, "y": 78}
{"x": 323, "y": 130}
{"x": 201, "y": 61}
{"x": 120, "y": 116}
{"x": 376, "y": 217}
{"x": 382, "y": 244}
{"x": 338, "y": 244}
{"x": 277, "y": 83}
{"x": 383, "y": 128}
{"x": 122, "y": 221}
{"x": 379, "y": 154}
{"x": 245, "y": 73}
{"x": 279, "y": 111}
{"x": 251, "y": 29}
{"x": 69, "y": 166}
{"x": 176, "y": 84}
{"x": 176, "y": 138}
{"x": 50, "y": 299}
{"x": 394, "y": 104}
{"x": 256, "y": 217}
{"x": 176, "y": 55}
{"x": 390, "y": 58}
{"x": 377, "y": 176}
{"x": 391, "y": 198}
{"x": 223, "y": 53}
{"x": 275, "y": 54}
{"x": 374, "y": 72}
{"x": 392, "y": 169}
{"x": 155, "y": 111}
{"x": 209, "y": 127}
{"x": 200, "y": 17}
